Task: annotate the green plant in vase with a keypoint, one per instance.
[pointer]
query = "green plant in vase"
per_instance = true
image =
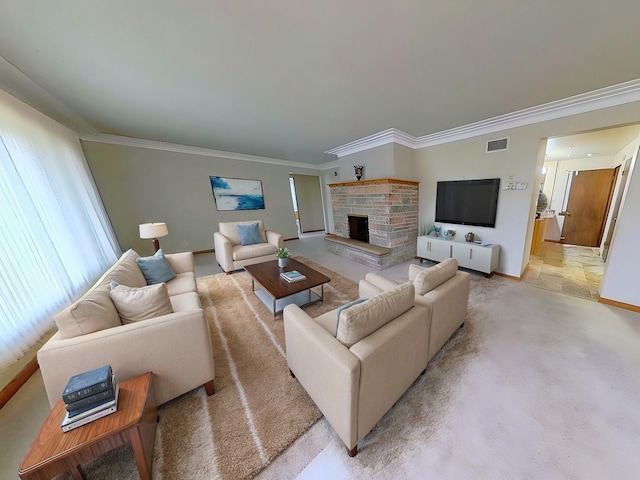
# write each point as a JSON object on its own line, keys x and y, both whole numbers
{"x": 282, "y": 254}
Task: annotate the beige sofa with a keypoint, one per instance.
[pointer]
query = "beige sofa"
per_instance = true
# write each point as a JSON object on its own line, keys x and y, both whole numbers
{"x": 232, "y": 255}
{"x": 356, "y": 374}
{"x": 441, "y": 289}
{"x": 176, "y": 346}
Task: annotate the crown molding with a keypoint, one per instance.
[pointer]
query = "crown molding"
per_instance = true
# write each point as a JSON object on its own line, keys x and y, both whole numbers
{"x": 190, "y": 150}
{"x": 391, "y": 135}
{"x": 611, "y": 96}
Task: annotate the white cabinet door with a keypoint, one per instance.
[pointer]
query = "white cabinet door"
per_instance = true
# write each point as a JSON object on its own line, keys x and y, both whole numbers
{"x": 433, "y": 248}
{"x": 476, "y": 257}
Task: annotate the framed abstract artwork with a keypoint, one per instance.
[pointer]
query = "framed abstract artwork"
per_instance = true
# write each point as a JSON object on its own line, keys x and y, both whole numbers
{"x": 237, "y": 194}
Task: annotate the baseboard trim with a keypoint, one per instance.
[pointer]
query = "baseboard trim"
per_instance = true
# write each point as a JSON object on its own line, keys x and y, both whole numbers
{"x": 18, "y": 381}
{"x": 510, "y": 277}
{"x": 615, "y": 303}
{"x": 200, "y": 252}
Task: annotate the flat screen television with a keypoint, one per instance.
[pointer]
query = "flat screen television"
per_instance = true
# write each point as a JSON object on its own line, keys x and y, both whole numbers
{"x": 468, "y": 202}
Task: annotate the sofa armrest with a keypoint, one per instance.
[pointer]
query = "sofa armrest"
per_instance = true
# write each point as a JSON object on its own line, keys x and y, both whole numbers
{"x": 181, "y": 262}
{"x": 223, "y": 250}
{"x": 391, "y": 358}
{"x": 374, "y": 284}
{"x": 274, "y": 238}
{"x": 449, "y": 309}
{"x": 326, "y": 369}
{"x": 175, "y": 347}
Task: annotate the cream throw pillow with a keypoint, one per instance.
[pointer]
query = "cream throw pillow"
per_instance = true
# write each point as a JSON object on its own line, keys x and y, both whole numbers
{"x": 94, "y": 311}
{"x": 361, "y": 320}
{"x": 140, "y": 303}
{"x": 426, "y": 279}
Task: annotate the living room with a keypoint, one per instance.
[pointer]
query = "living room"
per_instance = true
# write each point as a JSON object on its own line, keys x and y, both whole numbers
{"x": 142, "y": 175}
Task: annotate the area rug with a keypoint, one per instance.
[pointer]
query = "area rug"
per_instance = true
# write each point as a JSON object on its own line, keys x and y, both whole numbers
{"x": 258, "y": 410}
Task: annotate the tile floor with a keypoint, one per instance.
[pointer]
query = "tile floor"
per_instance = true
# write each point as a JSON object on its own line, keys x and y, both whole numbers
{"x": 570, "y": 269}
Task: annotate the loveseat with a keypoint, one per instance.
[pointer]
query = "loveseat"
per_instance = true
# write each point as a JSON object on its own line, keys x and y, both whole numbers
{"x": 356, "y": 362}
{"x": 174, "y": 343}
{"x": 441, "y": 289}
{"x": 244, "y": 243}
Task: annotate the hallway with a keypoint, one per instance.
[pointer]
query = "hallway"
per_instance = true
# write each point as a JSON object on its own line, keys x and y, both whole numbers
{"x": 570, "y": 269}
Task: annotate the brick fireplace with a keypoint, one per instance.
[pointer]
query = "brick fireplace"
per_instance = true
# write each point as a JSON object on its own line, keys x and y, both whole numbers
{"x": 391, "y": 208}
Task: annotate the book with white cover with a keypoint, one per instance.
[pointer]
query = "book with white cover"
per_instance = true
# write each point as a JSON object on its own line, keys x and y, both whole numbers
{"x": 69, "y": 423}
{"x": 293, "y": 276}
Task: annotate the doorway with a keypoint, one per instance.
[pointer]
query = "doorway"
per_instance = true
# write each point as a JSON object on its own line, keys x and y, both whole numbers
{"x": 571, "y": 258}
{"x": 308, "y": 206}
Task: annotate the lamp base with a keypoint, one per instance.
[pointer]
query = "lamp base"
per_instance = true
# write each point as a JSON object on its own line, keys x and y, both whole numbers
{"x": 156, "y": 245}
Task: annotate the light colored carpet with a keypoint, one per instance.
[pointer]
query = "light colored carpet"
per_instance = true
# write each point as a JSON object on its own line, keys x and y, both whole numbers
{"x": 258, "y": 410}
{"x": 536, "y": 385}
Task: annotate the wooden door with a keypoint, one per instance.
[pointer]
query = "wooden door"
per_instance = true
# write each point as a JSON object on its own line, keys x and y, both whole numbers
{"x": 587, "y": 207}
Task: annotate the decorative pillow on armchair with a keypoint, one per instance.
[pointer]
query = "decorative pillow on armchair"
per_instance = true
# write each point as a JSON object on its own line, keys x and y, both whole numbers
{"x": 249, "y": 234}
{"x": 156, "y": 269}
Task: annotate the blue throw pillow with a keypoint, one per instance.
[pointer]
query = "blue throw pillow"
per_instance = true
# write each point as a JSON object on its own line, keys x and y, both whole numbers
{"x": 344, "y": 307}
{"x": 156, "y": 269}
{"x": 249, "y": 234}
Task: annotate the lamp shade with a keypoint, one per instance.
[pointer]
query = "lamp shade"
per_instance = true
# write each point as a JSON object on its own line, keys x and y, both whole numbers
{"x": 153, "y": 230}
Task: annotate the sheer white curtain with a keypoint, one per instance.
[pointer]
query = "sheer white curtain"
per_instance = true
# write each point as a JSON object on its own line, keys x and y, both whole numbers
{"x": 55, "y": 238}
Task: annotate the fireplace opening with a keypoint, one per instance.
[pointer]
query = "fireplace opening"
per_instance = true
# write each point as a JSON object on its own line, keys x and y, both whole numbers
{"x": 359, "y": 227}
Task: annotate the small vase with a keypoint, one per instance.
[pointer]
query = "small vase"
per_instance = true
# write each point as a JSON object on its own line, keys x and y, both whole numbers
{"x": 282, "y": 262}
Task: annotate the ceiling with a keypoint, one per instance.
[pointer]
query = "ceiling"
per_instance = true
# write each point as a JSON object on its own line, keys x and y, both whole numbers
{"x": 289, "y": 80}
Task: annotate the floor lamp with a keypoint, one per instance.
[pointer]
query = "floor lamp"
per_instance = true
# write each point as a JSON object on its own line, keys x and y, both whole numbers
{"x": 153, "y": 230}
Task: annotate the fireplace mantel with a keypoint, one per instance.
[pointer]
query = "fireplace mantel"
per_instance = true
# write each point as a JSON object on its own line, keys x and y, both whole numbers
{"x": 375, "y": 181}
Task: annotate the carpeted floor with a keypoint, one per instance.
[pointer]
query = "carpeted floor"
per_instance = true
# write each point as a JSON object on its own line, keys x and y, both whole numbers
{"x": 258, "y": 410}
{"x": 536, "y": 385}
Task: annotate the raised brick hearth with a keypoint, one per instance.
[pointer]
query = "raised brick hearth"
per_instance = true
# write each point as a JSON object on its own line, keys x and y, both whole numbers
{"x": 392, "y": 208}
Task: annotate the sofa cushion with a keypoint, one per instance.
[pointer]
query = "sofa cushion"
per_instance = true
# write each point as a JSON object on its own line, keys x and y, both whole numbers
{"x": 185, "y": 302}
{"x": 140, "y": 303}
{"x": 92, "y": 312}
{"x": 253, "y": 251}
{"x": 426, "y": 279}
{"x": 156, "y": 269}
{"x": 361, "y": 320}
{"x": 249, "y": 234}
{"x": 183, "y": 283}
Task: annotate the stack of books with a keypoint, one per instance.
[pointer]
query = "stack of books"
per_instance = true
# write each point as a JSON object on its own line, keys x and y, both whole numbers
{"x": 89, "y": 396}
{"x": 293, "y": 276}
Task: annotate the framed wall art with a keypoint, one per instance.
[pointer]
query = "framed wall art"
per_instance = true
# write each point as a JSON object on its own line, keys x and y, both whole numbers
{"x": 237, "y": 194}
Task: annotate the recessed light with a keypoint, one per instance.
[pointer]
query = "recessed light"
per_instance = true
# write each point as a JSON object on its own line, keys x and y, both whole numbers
{"x": 589, "y": 154}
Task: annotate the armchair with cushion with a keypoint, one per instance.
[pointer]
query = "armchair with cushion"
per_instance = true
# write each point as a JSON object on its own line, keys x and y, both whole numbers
{"x": 244, "y": 243}
{"x": 356, "y": 362}
{"x": 441, "y": 289}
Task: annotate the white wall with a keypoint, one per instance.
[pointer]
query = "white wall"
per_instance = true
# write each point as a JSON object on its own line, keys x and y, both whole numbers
{"x": 140, "y": 185}
{"x": 466, "y": 159}
{"x": 620, "y": 282}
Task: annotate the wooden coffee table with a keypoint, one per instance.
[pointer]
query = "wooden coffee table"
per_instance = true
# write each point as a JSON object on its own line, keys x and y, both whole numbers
{"x": 54, "y": 452}
{"x": 277, "y": 293}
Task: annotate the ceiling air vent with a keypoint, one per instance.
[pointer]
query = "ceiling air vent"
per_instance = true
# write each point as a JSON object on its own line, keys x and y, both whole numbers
{"x": 497, "y": 144}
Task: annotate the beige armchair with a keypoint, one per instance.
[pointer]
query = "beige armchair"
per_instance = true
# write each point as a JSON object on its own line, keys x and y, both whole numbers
{"x": 232, "y": 255}
{"x": 355, "y": 363}
{"x": 441, "y": 289}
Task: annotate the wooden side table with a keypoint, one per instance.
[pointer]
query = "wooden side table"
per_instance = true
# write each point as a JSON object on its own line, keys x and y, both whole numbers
{"x": 54, "y": 452}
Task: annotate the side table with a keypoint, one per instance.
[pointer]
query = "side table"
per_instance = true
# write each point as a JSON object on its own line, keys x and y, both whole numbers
{"x": 54, "y": 452}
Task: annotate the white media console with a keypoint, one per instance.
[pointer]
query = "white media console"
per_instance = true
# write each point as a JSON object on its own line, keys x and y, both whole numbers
{"x": 481, "y": 257}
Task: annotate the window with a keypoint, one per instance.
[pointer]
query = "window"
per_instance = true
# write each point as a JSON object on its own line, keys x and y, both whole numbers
{"x": 55, "y": 238}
